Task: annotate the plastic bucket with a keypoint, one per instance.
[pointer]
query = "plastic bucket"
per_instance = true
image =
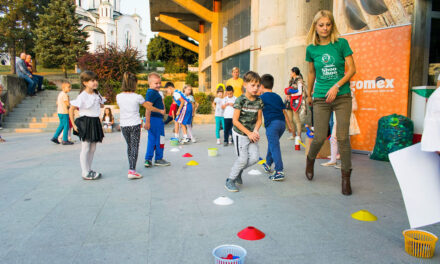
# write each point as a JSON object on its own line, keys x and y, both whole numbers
{"x": 223, "y": 251}
{"x": 174, "y": 142}
{"x": 212, "y": 152}
{"x": 419, "y": 243}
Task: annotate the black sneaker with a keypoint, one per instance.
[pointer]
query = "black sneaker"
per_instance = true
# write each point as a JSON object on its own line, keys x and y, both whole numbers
{"x": 95, "y": 175}
{"x": 67, "y": 143}
{"x": 225, "y": 144}
{"x": 89, "y": 176}
{"x": 230, "y": 185}
{"x": 238, "y": 180}
{"x": 148, "y": 164}
{"x": 55, "y": 140}
{"x": 162, "y": 163}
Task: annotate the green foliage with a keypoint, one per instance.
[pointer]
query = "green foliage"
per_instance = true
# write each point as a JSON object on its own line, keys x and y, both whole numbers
{"x": 143, "y": 92}
{"x": 76, "y": 86}
{"x": 174, "y": 66}
{"x": 176, "y": 58}
{"x": 192, "y": 79}
{"x": 168, "y": 100}
{"x": 110, "y": 64}
{"x": 15, "y": 25}
{"x": 205, "y": 103}
{"x": 59, "y": 42}
{"x": 49, "y": 85}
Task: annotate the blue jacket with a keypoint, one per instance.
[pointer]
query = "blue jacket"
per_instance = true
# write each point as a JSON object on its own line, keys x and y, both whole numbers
{"x": 21, "y": 68}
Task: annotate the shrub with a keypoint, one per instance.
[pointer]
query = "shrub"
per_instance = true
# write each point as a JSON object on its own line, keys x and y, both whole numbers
{"x": 192, "y": 79}
{"x": 205, "y": 103}
{"x": 76, "y": 86}
{"x": 168, "y": 100}
{"x": 174, "y": 66}
{"x": 110, "y": 64}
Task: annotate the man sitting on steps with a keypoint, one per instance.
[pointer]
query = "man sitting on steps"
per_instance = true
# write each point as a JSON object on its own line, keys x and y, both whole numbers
{"x": 23, "y": 72}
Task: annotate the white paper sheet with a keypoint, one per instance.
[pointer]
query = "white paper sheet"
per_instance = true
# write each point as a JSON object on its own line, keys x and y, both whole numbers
{"x": 418, "y": 173}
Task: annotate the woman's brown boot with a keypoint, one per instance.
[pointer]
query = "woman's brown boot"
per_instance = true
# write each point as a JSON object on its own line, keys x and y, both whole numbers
{"x": 346, "y": 185}
{"x": 310, "y": 163}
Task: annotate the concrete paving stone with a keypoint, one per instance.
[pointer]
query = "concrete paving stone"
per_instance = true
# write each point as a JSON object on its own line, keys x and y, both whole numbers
{"x": 49, "y": 214}
{"x": 41, "y": 255}
{"x": 114, "y": 253}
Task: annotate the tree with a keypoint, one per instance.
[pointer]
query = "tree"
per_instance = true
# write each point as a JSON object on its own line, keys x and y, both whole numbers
{"x": 59, "y": 41}
{"x": 175, "y": 56}
{"x": 15, "y": 16}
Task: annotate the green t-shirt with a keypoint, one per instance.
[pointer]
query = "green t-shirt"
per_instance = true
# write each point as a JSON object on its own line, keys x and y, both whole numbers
{"x": 329, "y": 61}
{"x": 248, "y": 112}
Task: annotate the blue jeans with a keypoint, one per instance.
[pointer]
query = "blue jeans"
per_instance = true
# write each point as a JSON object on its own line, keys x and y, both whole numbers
{"x": 156, "y": 138}
{"x": 219, "y": 121}
{"x": 274, "y": 132}
{"x": 64, "y": 126}
{"x": 39, "y": 81}
{"x": 30, "y": 84}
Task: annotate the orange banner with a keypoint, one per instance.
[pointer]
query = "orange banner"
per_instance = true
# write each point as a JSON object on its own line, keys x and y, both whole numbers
{"x": 380, "y": 85}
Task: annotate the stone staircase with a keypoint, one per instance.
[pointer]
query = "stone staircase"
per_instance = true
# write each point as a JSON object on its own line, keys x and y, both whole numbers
{"x": 35, "y": 114}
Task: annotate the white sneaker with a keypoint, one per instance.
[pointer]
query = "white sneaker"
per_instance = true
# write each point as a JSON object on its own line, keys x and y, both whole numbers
{"x": 185, "y": 140}
{"x": 134, "y": 175}
{"x": 329, "y": 164}
{"x": 218, "y": 141}
{"x": 338, "y": 166}
{"x": 230, "y": 142}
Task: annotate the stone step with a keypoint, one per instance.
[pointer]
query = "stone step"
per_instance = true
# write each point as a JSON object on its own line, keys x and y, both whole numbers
{"x": 30, "y": 125}
{"x": 31, "y": 119}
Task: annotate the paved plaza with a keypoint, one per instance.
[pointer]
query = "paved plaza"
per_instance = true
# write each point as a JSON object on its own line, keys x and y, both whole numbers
{"x": 48, "y": 214}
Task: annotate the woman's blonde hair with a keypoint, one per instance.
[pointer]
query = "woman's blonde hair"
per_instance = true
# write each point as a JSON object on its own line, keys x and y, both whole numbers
{"x": 312, "y": 36}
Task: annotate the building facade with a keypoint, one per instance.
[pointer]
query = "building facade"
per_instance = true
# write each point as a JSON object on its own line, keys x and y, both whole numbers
{"x": 106, "y": 25}
{"x": 269, "y": 36}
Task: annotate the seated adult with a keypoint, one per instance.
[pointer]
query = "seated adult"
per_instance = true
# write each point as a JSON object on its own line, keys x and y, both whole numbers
{"x": 23, "y": 72}
{"x": 37, "y": 78}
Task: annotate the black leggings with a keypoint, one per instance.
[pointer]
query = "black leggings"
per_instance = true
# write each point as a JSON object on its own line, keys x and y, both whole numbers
{"x": 132, "y": 135}
{"x": 228, "y": 129}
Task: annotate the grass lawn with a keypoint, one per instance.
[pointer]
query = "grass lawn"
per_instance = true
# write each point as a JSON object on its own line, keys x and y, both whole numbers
{"x": 40, "y": 70}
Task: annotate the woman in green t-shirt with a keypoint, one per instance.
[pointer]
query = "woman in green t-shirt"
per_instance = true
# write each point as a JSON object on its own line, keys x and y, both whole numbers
{"x": 328, "y": 56}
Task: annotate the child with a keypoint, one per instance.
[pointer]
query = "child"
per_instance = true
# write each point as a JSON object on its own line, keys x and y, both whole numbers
{"x": 219, "y": 119}
{"x": 154, "y": 123}
{"x": 130, "y": 121}
{"x": 195, "y": 105}
{"x": 431, "y": 126}
{"x": 63, "y": 114}
{"x": 185, "y": 110}
{"x": 228, "y": 106}
{"x": 88, "y": 126}
{"x": 275, "y": 120}
{"x": 169, "y": 86}
{"x": 2, "y": 109}
{"x": 294, "y": 99}
{"x": 107, "y": 120}
{"x": 353, "y": 130}
{"x": 247, "y": 121}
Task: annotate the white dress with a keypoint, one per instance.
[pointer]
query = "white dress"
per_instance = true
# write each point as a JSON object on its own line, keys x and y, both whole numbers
{"x": 431, "y": 127}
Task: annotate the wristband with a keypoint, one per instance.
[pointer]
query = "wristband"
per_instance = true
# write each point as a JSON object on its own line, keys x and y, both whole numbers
{"x": 337, "y": 85}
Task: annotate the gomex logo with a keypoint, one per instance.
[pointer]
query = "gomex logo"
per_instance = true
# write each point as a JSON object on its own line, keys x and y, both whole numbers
{"x": 379, "y": 83}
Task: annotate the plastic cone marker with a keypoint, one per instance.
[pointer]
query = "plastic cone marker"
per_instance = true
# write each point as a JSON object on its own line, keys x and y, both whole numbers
{"x": 187, "y": 155}
{"x": 302, "y": 144}
{"x": 223, "y": 200}
{"x": 364, "y": 215}
{"x": 251, "y": 233}
{"x": 192, "y": 163}
{"x": 262, "y": 161}
{"x": 254, "y": 172}
{"x": 174, "y": 150}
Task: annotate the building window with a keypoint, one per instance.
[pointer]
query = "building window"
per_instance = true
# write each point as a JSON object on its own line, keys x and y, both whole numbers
{"x": 242, "y": 61}
{"x": 128, "y": 39}
{"x": 235, "y": 21}
{"x": 207, "y": 40}
{"x": 207, "y": 81}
